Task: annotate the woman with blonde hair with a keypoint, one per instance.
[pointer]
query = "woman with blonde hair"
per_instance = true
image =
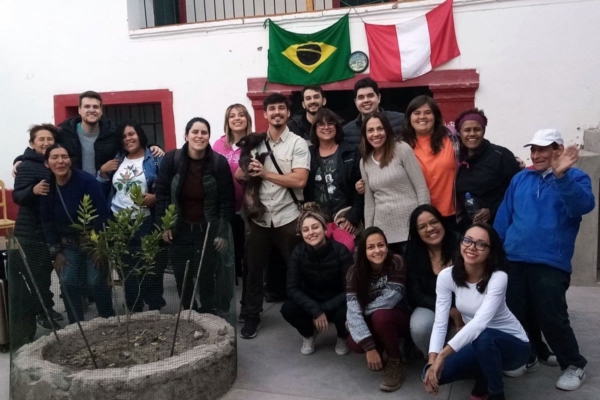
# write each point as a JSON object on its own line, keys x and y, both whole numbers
{"x": 238, "y": 123}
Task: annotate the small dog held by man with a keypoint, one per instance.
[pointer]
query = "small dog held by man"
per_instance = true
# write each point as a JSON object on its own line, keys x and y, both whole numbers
{"x": 252, "y": 207}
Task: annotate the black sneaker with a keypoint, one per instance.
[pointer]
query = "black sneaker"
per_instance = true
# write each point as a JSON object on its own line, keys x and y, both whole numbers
{"x": 251, "y": 327}
{"x": 243, "y": 316}
{"x": 42, "y": 321}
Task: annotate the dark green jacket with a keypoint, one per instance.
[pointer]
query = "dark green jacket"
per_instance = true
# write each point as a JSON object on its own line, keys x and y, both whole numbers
{"x": 218, "y": 187}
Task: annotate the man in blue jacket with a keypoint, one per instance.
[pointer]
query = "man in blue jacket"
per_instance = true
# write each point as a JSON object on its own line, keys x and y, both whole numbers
{"x": 538, "y": 222}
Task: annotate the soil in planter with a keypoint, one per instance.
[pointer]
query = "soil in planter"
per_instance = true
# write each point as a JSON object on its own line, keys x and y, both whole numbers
{"x": 150, "y": 341}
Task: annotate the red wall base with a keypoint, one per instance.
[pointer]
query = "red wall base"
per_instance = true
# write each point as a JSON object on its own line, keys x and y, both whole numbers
{"x": 454, "y": 91}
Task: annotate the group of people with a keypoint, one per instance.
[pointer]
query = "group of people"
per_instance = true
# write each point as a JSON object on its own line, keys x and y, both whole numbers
{"x": 448, "y": 259}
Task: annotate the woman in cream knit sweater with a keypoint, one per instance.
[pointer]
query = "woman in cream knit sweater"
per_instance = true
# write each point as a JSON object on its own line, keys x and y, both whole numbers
{"x": 393, "y": 181}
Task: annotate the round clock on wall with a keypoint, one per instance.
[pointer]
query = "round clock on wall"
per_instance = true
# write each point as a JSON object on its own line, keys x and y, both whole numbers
{"x": 358, "y": 62}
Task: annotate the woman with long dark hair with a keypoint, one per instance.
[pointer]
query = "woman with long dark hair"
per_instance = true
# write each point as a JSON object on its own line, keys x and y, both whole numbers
{"x": 136, "y": 166}
{"x": 492, "y": 339}
{"x": 59, "y": 209}
{"x": 436, "y": 149}
{"x": 334, "y": 170}
{"x": 432, "y": 247}
{"x": 198, "y": 182}
{"x": 393, "y": 181}
{"x": 377, "y": 314}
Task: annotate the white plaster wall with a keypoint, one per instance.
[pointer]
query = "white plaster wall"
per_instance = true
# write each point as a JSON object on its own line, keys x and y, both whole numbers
{"x": 538, "y": 61}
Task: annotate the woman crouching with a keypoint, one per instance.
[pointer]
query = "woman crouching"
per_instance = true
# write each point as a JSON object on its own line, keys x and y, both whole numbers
{"x": 377, "y": 316}
{"x": 316, "y": 284}
{"x": 492, "y": 340}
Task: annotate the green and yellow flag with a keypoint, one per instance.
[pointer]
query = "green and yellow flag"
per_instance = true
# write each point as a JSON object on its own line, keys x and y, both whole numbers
{"x": 313, "y": 58}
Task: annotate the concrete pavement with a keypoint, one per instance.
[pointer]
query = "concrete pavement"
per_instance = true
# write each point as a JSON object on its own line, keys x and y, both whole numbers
{"x": 271, "y": 366}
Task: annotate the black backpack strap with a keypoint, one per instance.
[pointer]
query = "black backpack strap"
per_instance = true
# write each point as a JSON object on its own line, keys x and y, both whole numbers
{"x": 280, "y": 172}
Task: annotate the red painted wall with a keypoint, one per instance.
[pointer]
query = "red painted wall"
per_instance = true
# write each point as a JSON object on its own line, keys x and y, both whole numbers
{"x": 454, "y": 91}
{"x": 65, "y": 106}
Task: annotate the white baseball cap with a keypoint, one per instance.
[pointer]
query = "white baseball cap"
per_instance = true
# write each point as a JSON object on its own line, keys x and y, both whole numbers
{"x": 545, "y": 137}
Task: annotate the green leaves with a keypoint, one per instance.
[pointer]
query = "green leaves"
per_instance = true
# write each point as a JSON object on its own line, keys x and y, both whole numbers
{"x": 111, "y": 244}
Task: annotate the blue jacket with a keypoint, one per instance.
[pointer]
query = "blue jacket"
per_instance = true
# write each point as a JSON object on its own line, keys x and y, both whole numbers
{"x": 150, "y": 166}
{"x": 56, "y": 222}
{"x": 539, "y": 218}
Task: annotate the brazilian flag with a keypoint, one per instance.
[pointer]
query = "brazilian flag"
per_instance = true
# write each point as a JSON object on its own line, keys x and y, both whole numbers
{"x": 307, "y": 59}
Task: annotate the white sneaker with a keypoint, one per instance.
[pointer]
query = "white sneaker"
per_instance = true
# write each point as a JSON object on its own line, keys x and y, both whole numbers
{"x": 341, "y": 347}
{"x": 308, "y": 345}
{"x": 551, "y": 361}
{"x": 525, "y": 369}
{"x": 571, "y": 379}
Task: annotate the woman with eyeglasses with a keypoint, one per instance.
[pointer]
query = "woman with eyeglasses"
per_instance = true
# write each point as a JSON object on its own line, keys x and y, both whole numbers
{"x": 334, "y": 171}
{"x": 432, "y": 247}
{"x": 492, "y": 340}
{"x": 393, "y": 181}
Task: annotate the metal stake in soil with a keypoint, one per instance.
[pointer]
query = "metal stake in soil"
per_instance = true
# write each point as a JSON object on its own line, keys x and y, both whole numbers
{"x": 179, "y": 311}
{"x": 65, "y": 292}
{"x": 37, "y": 291}
{"x": 198, "y": 274}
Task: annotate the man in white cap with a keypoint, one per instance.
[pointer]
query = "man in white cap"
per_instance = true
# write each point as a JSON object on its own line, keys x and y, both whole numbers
{"x": 538, "y": 222}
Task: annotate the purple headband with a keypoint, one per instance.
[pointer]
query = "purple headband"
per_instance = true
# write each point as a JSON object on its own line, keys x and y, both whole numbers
{"x": 472, "y": 117}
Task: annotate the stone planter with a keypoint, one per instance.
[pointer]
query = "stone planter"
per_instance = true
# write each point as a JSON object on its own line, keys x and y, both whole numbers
{"x": 204, "y": 372}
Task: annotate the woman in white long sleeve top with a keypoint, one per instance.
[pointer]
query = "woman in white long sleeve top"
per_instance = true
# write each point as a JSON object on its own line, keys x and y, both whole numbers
{"x": 492, "y": 339}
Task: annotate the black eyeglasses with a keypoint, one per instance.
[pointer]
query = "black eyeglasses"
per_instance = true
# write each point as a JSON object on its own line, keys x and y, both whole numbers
{"x": 322, "y": 125}
{"x": 479, "y": 245}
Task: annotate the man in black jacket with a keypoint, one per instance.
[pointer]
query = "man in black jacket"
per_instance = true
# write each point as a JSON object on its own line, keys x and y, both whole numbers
{"x": 367, "y": 99}
{"x": 90, "y": 137}
{"x": 313, "y": 99}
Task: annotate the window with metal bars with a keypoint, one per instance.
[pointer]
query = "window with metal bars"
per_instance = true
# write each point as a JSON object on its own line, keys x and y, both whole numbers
{"x": 169, "y": 12}
{"x": 147, "y": 115}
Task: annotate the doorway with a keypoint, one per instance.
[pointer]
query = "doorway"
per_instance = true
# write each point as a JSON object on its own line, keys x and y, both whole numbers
{"x": 342, "y": 101}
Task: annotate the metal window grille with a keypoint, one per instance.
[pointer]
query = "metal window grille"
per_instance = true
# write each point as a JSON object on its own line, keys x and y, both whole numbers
{"x": 147, "y": 115}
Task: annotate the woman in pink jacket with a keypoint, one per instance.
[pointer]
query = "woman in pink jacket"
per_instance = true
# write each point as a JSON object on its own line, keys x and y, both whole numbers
{"x": 238, "y": 123}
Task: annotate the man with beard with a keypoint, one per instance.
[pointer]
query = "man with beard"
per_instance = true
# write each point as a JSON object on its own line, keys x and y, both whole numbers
{"x": 284, "y": 175}
{"x": 313, "y": 99}
{"x": 367, "y": 99}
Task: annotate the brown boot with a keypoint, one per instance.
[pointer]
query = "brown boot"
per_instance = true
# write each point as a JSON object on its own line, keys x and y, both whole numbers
{"x": 393, "y": 375}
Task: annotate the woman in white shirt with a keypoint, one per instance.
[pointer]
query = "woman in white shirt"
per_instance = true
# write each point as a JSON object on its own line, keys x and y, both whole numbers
{"x": 492, "y": 339}
{"x": 135, "y": 165}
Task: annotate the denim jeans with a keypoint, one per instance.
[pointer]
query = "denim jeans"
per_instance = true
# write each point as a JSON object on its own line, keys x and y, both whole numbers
{"x": 81, "y": 272}
{"x": 484, "y": 360}
{"x": 541, "y": 290}
{"x": 146, "y": 289}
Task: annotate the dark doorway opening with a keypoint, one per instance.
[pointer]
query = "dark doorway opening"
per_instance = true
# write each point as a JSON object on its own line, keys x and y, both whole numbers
{"x": 147, "y": 115}
{"x": 342, "y": 101}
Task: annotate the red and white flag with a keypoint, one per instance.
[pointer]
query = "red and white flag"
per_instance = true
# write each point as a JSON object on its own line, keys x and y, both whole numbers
{"x": 413, "y": 48}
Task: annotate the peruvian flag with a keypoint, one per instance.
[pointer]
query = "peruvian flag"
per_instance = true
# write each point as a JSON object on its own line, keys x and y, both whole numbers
{"x": 413, "y": 48}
